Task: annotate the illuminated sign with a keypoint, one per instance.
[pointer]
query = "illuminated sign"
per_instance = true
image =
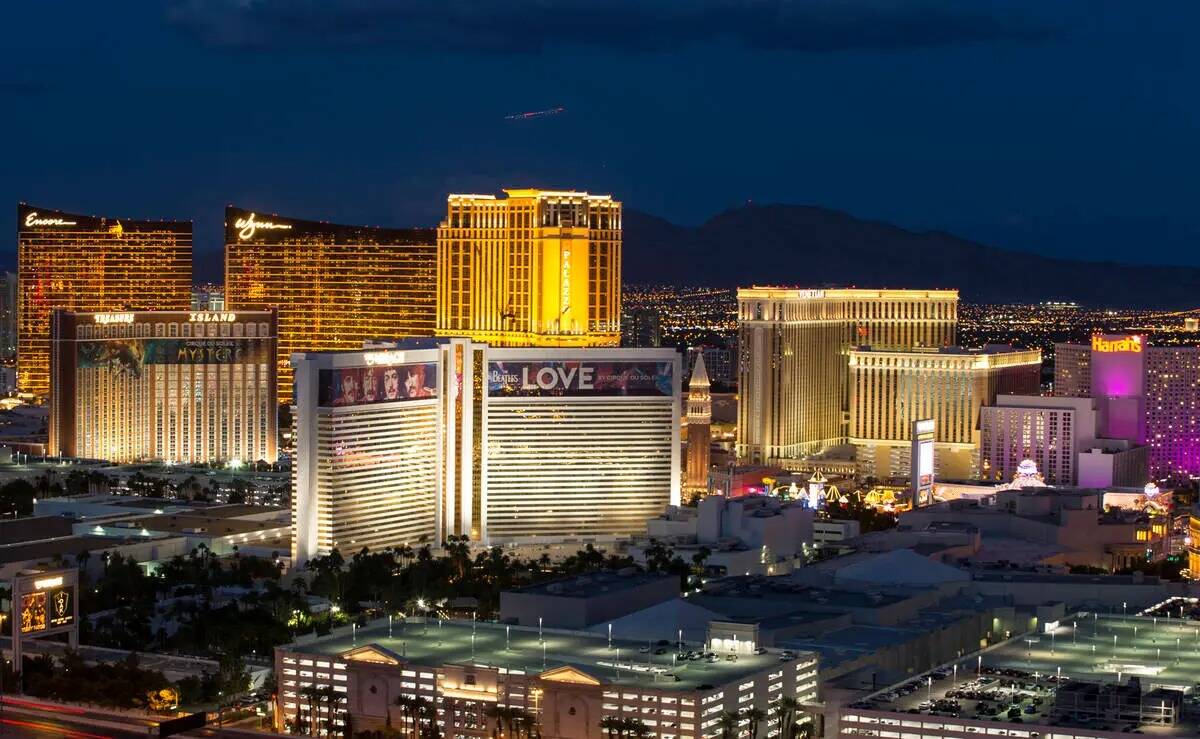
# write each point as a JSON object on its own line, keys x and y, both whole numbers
{"x": 924, "y": 434}
{"x": 207, "y": 317}
{"x": 810, "y": 294}
{"x": 354, "y": 386}
{"x": 49, "y": 582}
{"x": 33, "y": 219}
{"x": 389, "y": 357}
{"x": 47, "y": 608}
{"x": 248, "y": 225}
{"x": 132, "y": 356}
{"x": 565, "y": 292}
{"x": 113, "y": 318}
{"x": 575, "y": 378}
{"x": 1108, "y": 346}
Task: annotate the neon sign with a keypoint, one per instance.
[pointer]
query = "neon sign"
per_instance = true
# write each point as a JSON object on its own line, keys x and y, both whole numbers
{"x": 32, "y": 219}
{"x": 49, "y": 582}
{"x": 551, "y": 378}
{"x": 1108, "y": 346}
{"x": 565, "y": 296}
{"x": 212, "y": 317}
{"x": 377, "y": 358}
{"x": 106, "y": 318}
{"x": 247, "y": 226}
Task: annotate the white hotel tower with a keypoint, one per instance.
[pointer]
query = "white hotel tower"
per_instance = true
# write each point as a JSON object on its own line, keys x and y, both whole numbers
{"x": 408, "y": 442}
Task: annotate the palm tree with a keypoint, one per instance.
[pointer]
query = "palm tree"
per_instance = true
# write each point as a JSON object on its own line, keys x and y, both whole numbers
{"x": 788, "y": 708}
{"x": 309, "y": 695}
{"x": 612, "y": 726}
{"x": 332, "y": 700}
{"x": 407, "y": 707}
{"x": 729, "y": 725}
{"x": 429, "y": 710}
{"x": 754, "y": 716}
{"x": 496, "y": 713}
{"x": 634, "y": 727}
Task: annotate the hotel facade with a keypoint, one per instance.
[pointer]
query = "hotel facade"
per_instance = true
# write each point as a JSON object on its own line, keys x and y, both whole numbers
{"x": 794, "y": 372}
{"x": 1146, "y": 394}
{"x": 408, "y": 442}
{"x": 333, "y": 286}
{"x": 173, "y": 386}
{"x": 889, "y": 390}
{"x": 568, "y": 682}
{"x": 536, "y": 268}
{"x": 84, "y": 263}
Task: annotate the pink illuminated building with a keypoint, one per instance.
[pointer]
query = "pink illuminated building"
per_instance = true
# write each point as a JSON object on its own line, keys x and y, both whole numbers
{"x": 1147, "y": 394}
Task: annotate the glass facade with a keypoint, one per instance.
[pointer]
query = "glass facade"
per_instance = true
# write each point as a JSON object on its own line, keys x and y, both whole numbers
{"x": 333, "y": 286}
{"x": 89, "y": 263}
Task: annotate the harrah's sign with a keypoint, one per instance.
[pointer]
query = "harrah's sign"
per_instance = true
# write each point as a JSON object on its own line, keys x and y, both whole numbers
{"x": 1109, "y": 346}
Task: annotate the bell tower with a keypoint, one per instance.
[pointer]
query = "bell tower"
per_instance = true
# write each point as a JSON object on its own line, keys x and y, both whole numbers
{"x": 699, "y": 415}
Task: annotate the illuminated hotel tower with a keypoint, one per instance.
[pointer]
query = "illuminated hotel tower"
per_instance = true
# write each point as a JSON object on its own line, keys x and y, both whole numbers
{"x": 538, "y": 268}
{"x": 794, "y": 370}
{"x": 890, "y": 389}
{"x": 173, "y": 386}
{"x": 699, "y": 417}
{"x": 91, "y": 264}
{"x": 333, "y": 286}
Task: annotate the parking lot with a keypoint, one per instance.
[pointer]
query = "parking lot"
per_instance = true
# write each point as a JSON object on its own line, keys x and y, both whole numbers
{"x": 1016, "y": 682}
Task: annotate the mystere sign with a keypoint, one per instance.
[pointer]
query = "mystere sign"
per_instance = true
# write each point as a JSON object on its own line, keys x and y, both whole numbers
{"x": 579, "y": 379}
{"x": 132, "y": 355}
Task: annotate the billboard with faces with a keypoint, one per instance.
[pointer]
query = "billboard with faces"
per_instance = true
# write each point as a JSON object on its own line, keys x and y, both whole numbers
{"x": 384, "y": 383}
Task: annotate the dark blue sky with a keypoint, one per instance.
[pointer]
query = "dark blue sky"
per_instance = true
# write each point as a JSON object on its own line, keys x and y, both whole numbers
{"x": 1070, "y": 129}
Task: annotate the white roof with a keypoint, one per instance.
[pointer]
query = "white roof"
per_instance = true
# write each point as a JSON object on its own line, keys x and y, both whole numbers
{"x": 663, "y": 621}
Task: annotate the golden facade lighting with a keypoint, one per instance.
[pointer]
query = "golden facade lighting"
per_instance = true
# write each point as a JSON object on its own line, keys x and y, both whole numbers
{"x": 538, "y": 268}
{"x": 889, "y": 390}
{"x": 85, "y": 263}
{"x": 333, "y": 286}
{"x": 190, "y": 387}
{"x": 793, "y": 373}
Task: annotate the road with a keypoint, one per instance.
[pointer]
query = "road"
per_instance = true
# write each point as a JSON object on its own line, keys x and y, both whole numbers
{"x": 26, "y": 726}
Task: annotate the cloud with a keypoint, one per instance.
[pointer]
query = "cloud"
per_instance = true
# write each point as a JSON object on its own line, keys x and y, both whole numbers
{"x": 530, "y": 26}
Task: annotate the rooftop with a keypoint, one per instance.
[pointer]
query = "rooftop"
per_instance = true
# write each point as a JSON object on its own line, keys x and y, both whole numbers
{"x": 67, "y": 546}
{"x": 593, "y": 584}
{"x": 519, "y": 649}
{"x": 1083, "y": 648}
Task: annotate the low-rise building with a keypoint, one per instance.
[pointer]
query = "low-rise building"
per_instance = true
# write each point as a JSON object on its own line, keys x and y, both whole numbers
{"x": 568, "y": 682}
{"x": 579, "y": 602}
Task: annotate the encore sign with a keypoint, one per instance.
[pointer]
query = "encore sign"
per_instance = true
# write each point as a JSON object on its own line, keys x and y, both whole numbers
{"x": 1108, "y": 346}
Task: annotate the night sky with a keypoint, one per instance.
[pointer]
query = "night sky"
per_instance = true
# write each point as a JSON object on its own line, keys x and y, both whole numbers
{"x": 1070, "y": 129}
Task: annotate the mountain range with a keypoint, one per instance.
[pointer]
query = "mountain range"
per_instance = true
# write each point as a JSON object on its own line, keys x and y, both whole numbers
{"x": 816, "y": 247}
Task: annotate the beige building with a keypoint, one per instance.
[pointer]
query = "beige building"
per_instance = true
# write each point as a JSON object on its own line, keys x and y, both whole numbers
{"x": 891, "y": 389}
{"x": 75, "y": 262}
{"x": 565, "y": 682}
{"x": 795, "y": 344}
{"x": 174, "y": 386}
{"x": 699, "y": 428}
{"x": 537, "y": 268}
{"x": 1073, "y": 370}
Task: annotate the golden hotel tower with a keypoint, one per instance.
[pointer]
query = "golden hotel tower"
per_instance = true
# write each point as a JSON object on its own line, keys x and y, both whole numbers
{"x": 537, "y": 268}
{"x": 333, "y": 286}
{"x": 91, "y": 264}
{"x": 794, "y": 370}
